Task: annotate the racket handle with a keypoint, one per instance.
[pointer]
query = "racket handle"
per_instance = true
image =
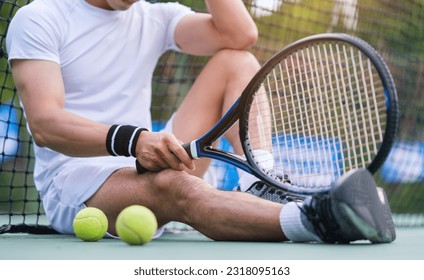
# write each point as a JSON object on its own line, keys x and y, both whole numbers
{"x": 186, "y": 147}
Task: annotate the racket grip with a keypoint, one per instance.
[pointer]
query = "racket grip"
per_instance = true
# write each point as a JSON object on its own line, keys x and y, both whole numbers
{"x": 140, "y": 168}
{"x": 187, "y": 148}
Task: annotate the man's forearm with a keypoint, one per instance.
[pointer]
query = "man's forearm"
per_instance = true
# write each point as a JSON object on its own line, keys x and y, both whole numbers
{"x": 71, "y": 135}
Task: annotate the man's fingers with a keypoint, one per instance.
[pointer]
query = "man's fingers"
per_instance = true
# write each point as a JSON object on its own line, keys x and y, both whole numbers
{"x": 162, "y": 150}
{"x": 181, "y": 155}
{"x": 178, "y": 158}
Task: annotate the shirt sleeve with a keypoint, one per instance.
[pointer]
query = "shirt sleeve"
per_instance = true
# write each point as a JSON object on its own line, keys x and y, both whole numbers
{"x": 31, "y": 35}
{"x": 171, "y": 14}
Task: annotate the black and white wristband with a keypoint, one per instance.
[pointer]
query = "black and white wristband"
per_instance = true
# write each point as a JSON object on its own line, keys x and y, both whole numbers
{"x": 121, "y": 140}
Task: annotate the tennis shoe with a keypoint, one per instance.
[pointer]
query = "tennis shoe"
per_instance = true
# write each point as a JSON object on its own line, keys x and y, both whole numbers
{"x": 262, "y": 190}
{"x": 354, "y": 209}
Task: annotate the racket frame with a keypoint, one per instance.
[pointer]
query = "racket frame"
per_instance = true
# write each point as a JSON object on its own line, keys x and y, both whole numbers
{"x": 203, "y": 146}
{"x": 392, "y": 110}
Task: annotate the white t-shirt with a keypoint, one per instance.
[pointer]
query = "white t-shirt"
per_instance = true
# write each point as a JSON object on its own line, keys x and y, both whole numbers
{"x": 107, "y": 60}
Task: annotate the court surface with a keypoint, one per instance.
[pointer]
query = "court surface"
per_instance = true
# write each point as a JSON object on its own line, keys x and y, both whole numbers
{"x": 409, "y": 245}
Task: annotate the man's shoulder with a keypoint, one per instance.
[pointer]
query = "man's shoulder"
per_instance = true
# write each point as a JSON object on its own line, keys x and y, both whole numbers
{"x": 49, "y": 9}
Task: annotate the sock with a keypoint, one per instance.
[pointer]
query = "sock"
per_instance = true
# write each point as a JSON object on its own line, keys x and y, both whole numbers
{"x": 293, "y": 225}
{"x": 246, "y": 179}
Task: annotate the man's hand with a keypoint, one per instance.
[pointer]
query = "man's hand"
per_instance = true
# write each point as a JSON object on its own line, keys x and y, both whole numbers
{"x": 159, "y": 150}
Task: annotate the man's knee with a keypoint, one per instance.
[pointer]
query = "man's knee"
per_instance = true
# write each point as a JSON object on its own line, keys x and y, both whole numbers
{"x": 236, "y": 61}
{"x": 167, "y": 179}
{"x": 178, "y": 190}
{"x": 173, "y": 184}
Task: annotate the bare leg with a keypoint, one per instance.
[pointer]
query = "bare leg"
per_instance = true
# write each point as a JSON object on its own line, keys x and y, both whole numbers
{"x": 178, "y": 196}
{"x": 216, "y": 89}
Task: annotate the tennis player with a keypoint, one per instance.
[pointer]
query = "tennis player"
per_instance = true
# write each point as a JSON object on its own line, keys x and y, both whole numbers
{"x": 83, "y": 70}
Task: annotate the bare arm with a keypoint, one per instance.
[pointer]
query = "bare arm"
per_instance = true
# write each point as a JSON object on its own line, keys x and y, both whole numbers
{"x": 41, "y": 91}
{"x": 227, "y": 26}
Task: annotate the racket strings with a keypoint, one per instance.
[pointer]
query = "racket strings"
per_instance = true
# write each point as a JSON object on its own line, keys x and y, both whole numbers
{"x": 320, "y": 112}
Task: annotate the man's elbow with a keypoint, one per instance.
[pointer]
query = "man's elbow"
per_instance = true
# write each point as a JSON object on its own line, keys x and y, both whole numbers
{"x": 251, "y": 37}
{"x": 38, "y": 138}
{"x": 245, "y": 39}
{"x": 38, "y": 132}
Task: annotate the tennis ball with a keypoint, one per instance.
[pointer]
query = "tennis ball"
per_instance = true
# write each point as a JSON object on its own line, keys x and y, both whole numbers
{"x": 136, "y": 225}
{"x": 90, "y": 224}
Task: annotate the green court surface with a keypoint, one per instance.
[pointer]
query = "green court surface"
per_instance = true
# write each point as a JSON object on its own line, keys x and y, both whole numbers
{"x": 409, "y": 245}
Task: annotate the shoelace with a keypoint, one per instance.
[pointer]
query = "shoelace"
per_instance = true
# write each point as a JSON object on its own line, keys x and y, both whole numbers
{"x": 275, "y": 194}
{"x": 321, "y": 217}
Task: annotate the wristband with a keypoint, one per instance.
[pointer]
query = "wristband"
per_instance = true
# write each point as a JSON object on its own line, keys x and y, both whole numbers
{"x": 121, "y": 140}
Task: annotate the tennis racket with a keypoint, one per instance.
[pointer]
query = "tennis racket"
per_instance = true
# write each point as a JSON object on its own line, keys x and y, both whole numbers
{"x": 322, "y": 106}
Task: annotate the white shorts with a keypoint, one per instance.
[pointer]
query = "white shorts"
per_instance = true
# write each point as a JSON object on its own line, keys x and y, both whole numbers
{"x": 76, "y": 182}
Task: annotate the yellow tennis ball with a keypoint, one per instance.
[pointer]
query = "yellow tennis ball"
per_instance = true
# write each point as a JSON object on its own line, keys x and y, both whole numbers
{"x": 90, "y": 224}
{"x": 136, "y": 225}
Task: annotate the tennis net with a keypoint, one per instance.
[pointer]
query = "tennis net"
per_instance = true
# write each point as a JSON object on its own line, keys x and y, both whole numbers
{"x": 394, "y": 28}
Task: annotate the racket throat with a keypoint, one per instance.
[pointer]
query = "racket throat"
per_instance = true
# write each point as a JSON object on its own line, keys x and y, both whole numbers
{"x": 192, "y": 149}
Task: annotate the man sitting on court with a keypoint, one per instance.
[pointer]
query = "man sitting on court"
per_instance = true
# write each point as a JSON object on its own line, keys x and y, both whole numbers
{"x": 83, "y": 70}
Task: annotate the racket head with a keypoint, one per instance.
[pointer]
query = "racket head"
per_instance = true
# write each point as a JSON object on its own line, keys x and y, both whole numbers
{"x": 325, "y": 105}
